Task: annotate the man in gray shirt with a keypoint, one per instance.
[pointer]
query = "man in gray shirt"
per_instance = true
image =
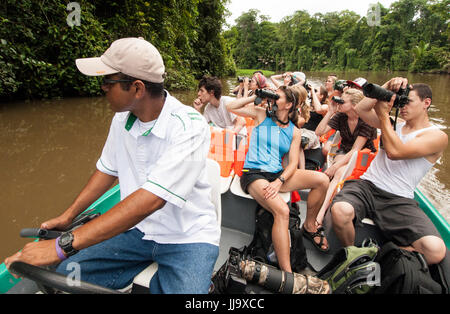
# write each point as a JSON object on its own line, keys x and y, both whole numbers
{"x": 216, "y": 113}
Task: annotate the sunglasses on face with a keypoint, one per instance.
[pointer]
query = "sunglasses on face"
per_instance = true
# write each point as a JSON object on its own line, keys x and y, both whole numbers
{"x": 108, "y": 81}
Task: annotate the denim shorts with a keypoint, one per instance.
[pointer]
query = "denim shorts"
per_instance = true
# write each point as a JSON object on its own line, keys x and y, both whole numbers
{"x": 182, "y": 268}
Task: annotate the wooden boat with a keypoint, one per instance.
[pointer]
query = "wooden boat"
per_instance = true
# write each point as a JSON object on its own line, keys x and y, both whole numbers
{"x": 236, "y": 215}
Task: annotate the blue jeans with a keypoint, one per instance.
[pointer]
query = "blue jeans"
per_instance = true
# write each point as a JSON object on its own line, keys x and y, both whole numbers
{"x": 182, "y": 268}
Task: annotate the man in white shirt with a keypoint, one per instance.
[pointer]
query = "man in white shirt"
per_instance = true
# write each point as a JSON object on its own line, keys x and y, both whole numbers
{"x": 157, "y": 148}
{"x": 216, "y": 113}
{"x": 385, "y": 192}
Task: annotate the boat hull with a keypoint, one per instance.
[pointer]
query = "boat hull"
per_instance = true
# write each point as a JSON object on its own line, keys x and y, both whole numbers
{"x": 237, "y": 232}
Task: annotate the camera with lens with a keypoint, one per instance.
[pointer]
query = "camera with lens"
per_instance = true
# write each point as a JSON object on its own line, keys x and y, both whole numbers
{"x": 337, "y": 100}
{"x": 375, "y": 91}
{"x": 241, "y": 274}
{"x": 340, "y": 85}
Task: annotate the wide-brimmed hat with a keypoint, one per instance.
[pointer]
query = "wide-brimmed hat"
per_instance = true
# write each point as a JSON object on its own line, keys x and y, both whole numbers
{"x": 132, "y": 56}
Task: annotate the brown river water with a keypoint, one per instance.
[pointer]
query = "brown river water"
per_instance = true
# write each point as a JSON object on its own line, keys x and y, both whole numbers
{"x": 49, "y": 149}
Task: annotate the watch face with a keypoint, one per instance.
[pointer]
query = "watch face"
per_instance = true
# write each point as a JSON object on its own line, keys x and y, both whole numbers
{"x": 65, "y": 239}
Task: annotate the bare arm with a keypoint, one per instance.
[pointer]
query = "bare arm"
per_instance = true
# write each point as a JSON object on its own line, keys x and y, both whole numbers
{"x": 275, "y": 80}
{"x": 430, "y": 144}
{"x": 118, "y": 219}
{"x": 366, "y": 112}
{"x": 294, "y": 152}
{"x": 323, "y": 126}
{"x": 244, "y": 107}
{"x": 238, "y": 124}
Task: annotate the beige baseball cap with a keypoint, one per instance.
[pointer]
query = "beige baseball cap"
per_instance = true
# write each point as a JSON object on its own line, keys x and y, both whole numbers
{"x": 132, "y": 56}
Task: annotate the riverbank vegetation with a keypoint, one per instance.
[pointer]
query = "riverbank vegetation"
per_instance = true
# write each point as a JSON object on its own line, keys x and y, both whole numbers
{"x": 411, "y": 35}
{"x": 38, "y": 47}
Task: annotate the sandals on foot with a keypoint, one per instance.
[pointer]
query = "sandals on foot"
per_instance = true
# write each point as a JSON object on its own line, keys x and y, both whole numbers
{"x": 319, "y": 233}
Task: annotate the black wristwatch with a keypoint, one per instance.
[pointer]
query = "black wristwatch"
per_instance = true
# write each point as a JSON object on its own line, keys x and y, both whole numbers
{"x": 65, "y": 243}
{"x": 282, "y": 179}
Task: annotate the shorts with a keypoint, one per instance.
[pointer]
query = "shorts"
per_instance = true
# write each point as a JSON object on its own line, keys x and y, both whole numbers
{"x": 400, "y": 219}
{"x": 250, "y": 175}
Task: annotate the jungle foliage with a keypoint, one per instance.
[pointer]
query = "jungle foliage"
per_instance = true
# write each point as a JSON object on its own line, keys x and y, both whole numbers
{"x": 38, "y": 48}
{"x": 412, "y": 35}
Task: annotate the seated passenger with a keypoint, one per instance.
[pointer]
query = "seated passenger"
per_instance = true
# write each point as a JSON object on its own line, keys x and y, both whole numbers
{"x": 263, "y": 176}
{"x": 287, "y": 77}
{"x": 313, "y": 156}
{"x": 329, "y": 84}
{"x": 355, "y": 135}
{"x": 309, "y": 139}
{"x": 216, "y": 113}
{"x": 248, "y": 87}
{"x": 385, "y": 193}
{"x": 299, "y": 77}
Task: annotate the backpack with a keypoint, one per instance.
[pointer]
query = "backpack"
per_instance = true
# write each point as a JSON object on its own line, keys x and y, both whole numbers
{"x": 261, "y": 247}
{"x": 352, "y": 270}
{"x": 405, "y": 272}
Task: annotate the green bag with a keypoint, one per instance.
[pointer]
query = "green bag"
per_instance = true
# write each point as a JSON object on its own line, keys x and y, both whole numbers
{"x": 352, "y": 270}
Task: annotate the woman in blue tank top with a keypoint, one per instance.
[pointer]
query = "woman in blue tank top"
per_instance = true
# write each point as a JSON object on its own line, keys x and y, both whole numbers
{"x": 274, "y": 136}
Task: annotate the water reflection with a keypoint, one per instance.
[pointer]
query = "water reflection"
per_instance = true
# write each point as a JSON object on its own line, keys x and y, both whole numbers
{"x": 49, "y": 150}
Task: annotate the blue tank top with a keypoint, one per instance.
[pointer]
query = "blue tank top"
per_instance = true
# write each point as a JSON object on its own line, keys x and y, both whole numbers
{"x": 268, "y": 144}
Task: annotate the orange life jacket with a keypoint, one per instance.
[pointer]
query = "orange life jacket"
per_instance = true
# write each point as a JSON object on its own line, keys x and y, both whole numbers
{"x": 222, "y": 149}
{"x": 327, "y": 135}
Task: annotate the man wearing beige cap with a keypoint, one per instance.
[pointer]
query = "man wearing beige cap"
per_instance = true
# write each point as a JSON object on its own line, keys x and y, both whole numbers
{"x": 157, "y": 148}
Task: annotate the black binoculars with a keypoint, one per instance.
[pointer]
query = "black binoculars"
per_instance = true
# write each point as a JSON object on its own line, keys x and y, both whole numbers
{"x": 266, "y": 93}
{"x": 337, "y": 100}
{"x": 241, "y": 79}
{"x": 375, "y": 91}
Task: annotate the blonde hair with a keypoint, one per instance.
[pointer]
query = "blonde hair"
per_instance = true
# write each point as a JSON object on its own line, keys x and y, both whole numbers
{"x": 355, "y": 95}
{"x": 301, "y": 103}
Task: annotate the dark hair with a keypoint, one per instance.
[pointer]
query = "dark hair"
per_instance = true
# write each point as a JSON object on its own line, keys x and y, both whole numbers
{"x": 293, "y": 97}
{"x": 154, "y": 89}
{"x": 422, "y": 90}
{"x": 211, "y": 83}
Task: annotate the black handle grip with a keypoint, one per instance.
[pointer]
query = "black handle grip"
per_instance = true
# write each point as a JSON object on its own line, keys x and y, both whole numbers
{"x": 39, "y": 233}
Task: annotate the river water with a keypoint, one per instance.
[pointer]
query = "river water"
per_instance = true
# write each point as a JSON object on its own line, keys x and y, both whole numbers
{"x": 49, "y": 149}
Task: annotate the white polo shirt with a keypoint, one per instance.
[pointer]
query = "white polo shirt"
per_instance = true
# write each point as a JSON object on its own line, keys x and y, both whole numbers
{"x": 169, "y": 160}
